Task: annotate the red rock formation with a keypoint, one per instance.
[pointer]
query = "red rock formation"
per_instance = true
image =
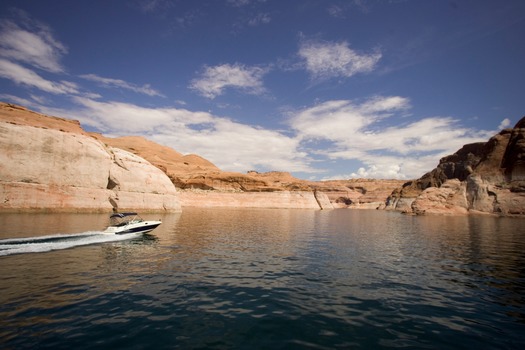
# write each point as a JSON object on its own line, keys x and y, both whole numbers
{"x": 490, "y": 176}
{"x": 357, "y": 193}
{"x": 19, "y": 115}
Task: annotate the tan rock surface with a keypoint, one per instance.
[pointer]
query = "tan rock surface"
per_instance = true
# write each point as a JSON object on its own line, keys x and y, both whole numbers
{"x": 491, "y": 177}
{"x": 48, "y": 156}
{"x": 279, "y": 200}
{"x": 449, "y": 199}
{"x": 358, "y": 193}
{"x": 165, "y": 158}
{"x": 65, "y": 169}
{"x": 19, "y": 115}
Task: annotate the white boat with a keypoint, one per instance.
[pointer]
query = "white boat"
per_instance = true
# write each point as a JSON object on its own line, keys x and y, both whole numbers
{"x": 122, "y": 223}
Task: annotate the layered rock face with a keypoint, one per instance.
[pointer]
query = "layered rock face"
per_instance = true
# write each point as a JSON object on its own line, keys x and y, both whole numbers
{"x": 274, "y": 200}
{"x": 357, "y": 193}
{"x": 51, "y": 164}
{"x": 201, "y": 183}
{"x": 480, "y": 178}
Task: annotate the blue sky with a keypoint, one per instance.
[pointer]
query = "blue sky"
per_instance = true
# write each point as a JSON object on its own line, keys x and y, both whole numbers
{"x": 322, "y": 89}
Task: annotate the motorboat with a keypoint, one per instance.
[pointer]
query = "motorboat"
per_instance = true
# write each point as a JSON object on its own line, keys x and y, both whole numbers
{"x": 122, "y": 223}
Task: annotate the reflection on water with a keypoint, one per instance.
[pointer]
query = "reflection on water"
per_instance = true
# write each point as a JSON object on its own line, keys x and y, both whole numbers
{"x": 39, "y": 224}
{"x": 223, "y": 278}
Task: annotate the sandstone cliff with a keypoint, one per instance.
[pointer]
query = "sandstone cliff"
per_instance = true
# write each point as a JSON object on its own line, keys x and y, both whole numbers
{"x": 276, "y": 200}
{"x": 49, "y": 163}
{"x": 357, "y": 193}
{"x": 486, "y": 177}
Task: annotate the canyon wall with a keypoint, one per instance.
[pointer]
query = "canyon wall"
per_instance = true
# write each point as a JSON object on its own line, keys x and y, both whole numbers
{"x": 53, "y": 165}
{"x": 357, "y": 193}
{"x": 50, "y": 163}
{"x": 482, "y": 178}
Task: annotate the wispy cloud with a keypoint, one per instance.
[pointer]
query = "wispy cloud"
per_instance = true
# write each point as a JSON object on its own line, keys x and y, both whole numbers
{"x": 24, "y": 76}
{"x": 214, "y": 80}
{"x": 17, "y": 100}
{"x": 336, "y": 11}
{"x": 240, "y": 3}
{"x": 260, "y": 18}
{"x": 118, "y": 83}
{"x": 363, "y": 131}
{"x": 125, "y": 118}
{"x": 155, "y": 5}
{"x": 325, "y": 60}
{"x": 30, "y": 42}
{"x": 27, "y": 45}
{"x": 340, "y": 10}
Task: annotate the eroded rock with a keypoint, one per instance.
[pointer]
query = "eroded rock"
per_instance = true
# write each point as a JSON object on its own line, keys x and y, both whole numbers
{"x": 54, "y": 167}
{"x": 491, "y": 175}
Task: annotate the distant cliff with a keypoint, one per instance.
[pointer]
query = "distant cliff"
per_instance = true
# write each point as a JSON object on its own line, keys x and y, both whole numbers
{"x": 201, "y": 183}
{"x": 486, "y": 177}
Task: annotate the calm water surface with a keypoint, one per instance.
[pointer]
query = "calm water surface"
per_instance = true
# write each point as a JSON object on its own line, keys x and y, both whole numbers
{"x": 264, "y": 279}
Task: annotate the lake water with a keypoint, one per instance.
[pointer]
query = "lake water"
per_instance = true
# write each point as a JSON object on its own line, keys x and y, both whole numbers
{"x": 264, "y": 279}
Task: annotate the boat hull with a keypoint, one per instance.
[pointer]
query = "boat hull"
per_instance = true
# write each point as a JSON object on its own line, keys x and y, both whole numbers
{"x": 138, "y": 227}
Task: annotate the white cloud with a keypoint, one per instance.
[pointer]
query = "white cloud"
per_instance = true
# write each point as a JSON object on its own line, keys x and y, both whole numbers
{"x": 505, "y": 123}
{"x": 25, "y": 42}
{"x": 124, "y": 118}
{"x": 342, "y": 119}
{"x": 358, "y": 131}
{"x": 229, "y": 145}
{"x": 328, "y": 59}
{"x": 395, "y": 167}
{"x": 109, "y": 82}
{"x": 214, "y": 80}
{"x": 31, "y": 43}
{"x": 23, "y": 76}
{"x": 237, "y": 147}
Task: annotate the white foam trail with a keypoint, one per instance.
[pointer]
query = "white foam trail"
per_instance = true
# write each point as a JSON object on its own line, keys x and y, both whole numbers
{"x": 57, "y": 242}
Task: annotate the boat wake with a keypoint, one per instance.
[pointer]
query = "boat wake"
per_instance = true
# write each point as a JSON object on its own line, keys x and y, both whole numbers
{"x": 58, "y": 242}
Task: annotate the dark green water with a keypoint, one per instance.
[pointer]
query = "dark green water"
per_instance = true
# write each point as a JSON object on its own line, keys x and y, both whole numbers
{"x": 264, "y": 279}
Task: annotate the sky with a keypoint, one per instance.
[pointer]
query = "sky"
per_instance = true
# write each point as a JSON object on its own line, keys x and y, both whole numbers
{"x": 323, "y": 89}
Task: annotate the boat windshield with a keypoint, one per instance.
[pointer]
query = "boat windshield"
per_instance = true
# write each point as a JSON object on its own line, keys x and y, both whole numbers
{"x": 121, "y": 219}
